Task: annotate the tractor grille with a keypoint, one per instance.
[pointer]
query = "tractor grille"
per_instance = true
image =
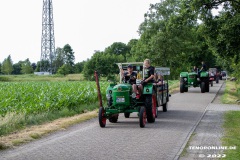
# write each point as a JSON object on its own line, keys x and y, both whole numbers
{"x": 192, "y": 76}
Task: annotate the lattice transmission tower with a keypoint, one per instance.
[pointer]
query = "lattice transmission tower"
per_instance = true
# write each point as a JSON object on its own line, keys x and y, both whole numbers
{"x": 48, "y": 39}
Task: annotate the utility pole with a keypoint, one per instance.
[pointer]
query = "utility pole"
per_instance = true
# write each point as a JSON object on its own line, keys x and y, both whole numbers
{"x": 48, "y": 39}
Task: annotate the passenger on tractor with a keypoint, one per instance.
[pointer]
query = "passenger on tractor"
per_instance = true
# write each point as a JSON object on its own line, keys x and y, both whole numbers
{"x": 148, "y": 78}
{"x": 148, "y": 75}
{"x": 130, "y": 77}
{"x": 195, "y": 69}
{"x": 204, "y": 67}
{"x": 158, "y": 79}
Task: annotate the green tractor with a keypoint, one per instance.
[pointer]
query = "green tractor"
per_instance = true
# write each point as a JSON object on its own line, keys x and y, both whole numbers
{"x": 121, "y": 99}
{"x": 200, "y": 79}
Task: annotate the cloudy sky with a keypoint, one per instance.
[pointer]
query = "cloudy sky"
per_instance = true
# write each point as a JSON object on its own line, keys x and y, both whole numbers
{"x": 86, "y": 25}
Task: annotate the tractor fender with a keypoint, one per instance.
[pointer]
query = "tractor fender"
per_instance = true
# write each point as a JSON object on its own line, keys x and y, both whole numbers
{"x": 148, "y": 88}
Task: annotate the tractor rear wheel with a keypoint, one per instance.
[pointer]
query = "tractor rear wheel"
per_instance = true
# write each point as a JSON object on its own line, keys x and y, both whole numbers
{"x": 207, "y": 86}
{"x": 149, "y": 106}
{"x": 154, "y": 106}
{"x": 202, "y": 87}
{"x": 142, "y": 117}
{"x": 126, "y": 115}
{"x": 165, "y": 106}
{"x": 101, "y": 117}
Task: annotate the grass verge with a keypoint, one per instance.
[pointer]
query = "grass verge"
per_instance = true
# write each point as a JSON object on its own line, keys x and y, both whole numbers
{"x": 231, "y": 136}
{"x": 231, "y": 124}
{"x": 37, "y": 131}
{"x": 173, "y": 86}
{"x": 232, "y": 93}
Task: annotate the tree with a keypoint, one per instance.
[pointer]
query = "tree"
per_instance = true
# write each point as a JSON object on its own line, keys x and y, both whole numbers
{"x": 26, "y": 67}
{"x": 34, "y": 66}
{"x": 104, "y": 63}
{"x": 59, "y": 61}
{"x": 7, "y": 65}
{"x": 0, "y": 68}
{"x": 64, "y": 69}
{"x": 78, "y": 67}
{"x": 69, "y": 57}
{"x": 17, "y": 67}
{"x": 42, "y": 63}
{"x": 118, "y": 48}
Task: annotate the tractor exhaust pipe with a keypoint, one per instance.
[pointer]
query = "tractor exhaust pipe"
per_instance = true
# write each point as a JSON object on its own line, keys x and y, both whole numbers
{"x": 98, "y": 89}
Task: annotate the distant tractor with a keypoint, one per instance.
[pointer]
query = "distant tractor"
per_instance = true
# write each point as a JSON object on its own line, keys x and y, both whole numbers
{"x": 194, "y": 79}
{"x": 121, "y": 99}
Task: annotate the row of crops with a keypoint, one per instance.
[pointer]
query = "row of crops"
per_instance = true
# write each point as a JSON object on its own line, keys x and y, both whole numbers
{"x": 40, "y": 97}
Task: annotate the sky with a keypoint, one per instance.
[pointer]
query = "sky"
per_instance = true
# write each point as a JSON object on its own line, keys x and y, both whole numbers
{"x": 86, "y": 25}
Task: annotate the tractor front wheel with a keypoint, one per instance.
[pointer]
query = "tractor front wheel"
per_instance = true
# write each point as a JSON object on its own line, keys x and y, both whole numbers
{"x": 126, "y": 115}
{"x": 101, "y": 117}
{"x": 142, "y": 117}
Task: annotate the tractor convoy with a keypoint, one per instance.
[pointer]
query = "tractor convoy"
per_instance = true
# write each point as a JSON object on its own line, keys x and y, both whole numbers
{"x": 121, "y": 97}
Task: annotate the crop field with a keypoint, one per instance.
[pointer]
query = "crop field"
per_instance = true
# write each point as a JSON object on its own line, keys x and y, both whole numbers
{"x": 31, "y": 98}
{"x": 39, "y": 97}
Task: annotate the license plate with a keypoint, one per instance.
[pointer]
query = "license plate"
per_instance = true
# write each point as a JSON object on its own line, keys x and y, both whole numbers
{"x": 120, "y": 100}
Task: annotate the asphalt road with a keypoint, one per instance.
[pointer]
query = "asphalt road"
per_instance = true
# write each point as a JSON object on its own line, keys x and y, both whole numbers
{"x": 161, "y": 140}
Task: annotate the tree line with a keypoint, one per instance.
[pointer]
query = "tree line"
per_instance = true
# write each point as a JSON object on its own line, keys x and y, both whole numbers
{"x": 175, "y": 33}
{"x": 62, "y": 64}
{"x": 179, "y": 34}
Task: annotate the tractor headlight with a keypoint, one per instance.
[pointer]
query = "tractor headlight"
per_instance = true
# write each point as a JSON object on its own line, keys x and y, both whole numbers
{"x": 134, "y": 95}
{"x": 185, "y": 79}
{"x": 108, "y": 96}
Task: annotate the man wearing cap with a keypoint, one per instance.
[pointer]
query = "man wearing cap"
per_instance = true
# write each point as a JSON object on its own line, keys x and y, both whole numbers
{"x": 130, "y": 77}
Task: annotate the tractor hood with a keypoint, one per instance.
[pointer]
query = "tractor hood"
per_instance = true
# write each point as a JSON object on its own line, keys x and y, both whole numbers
{"x": 122, "y": 88}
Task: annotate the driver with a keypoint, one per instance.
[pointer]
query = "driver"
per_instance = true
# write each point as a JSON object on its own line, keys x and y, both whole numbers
{"x": 130, "y": 77}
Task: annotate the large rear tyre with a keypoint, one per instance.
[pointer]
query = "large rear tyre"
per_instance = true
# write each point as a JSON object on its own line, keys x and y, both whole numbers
{"x": 126, "y": 115}
{"x": 113, "y": 118}
{"x": 165, "y": 107}
{"x": 154, "y": 106}
{"x": 148, "y": 105}
{"x": 207, "y": 86}
{"x": 202, "y": 87}
{"x": 181, "y": 85}
{"x": 101, "y": 117}
{"x": 142, "y": 117}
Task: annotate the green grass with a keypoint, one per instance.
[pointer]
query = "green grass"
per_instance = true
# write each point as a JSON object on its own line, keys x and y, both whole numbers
{"x": 15, "y": 122}
{"x": 232, "y": 93}
{"x": 232, "y": 134}
{"x": 231, "y": 121}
